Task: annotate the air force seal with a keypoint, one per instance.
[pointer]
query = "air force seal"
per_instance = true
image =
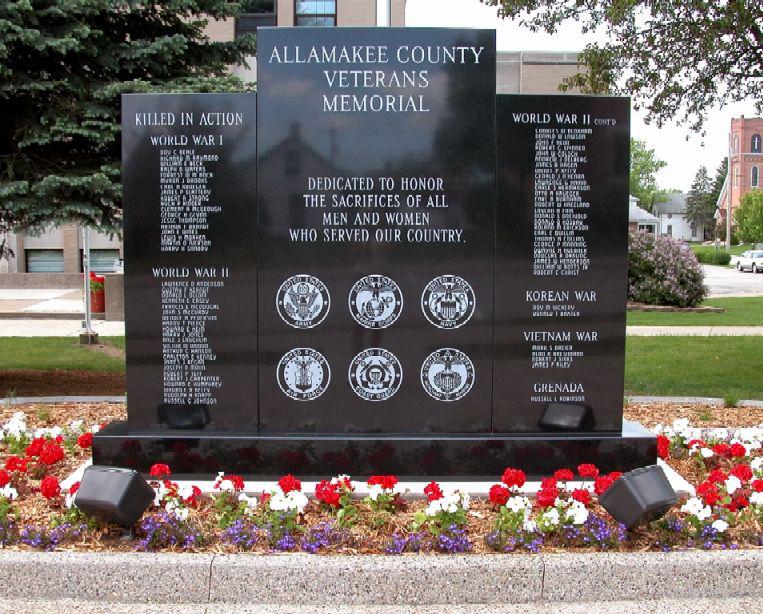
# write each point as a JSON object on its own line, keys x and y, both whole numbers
{"x": 303, "y": 301}
{"x": 375, "y": 301}
{"x": 375, "y": 374}
{"x": 447, "y": 374}
{"x": 303, "y": 374}
{"x": 448, "y": 301}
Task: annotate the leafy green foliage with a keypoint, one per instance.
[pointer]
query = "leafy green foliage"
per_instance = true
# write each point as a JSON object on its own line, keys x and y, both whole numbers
{"x": 677, "y": 58}
{"x": 748, "y": 218}
{"x": 63, "y": 66}
{"x": 720, "y": 258}
{"x": 644, "y": 167}
{"x": 700, "y": 204}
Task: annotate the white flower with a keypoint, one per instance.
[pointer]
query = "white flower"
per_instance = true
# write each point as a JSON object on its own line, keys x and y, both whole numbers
{"x": 95, "y": 428}
{"x": 577, "y": 513}
{"x": 69, "y": 500}
{"x": 733, "y": 484}
{"x": 756, "y": 498}
{"x": 518, "y": 504}
{"x": 185, "y": 491}
{"x": 697, "y": 508}
{"x": 449, "y": 502}
{"x": 9, "y": 492}
{"x": 251, "y": 502}
{"x": 529, "y": 525}
{"x": 550, "y": 517}
{"x": 374, "y": 492}
{"x": 706, "y": 452}
{"x": 679, "y": 424}
{"x": 16, "y": 426}
{"x": 292, "y": 501}
{"x": 757, "y": 463}
{"x": 720, "y": 525}
{"x": 75, "y": 425}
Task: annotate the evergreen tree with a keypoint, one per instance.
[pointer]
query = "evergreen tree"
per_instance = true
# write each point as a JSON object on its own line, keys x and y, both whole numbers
{"x": 63, "y": 66}
{"x": 700, "y": 205}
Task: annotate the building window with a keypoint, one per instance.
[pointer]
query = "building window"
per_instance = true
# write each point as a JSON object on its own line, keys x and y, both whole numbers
{"x": 754, "y": 176}
{"x": 101, "y": 260}
{"x": 755, "y": 143}
{"x": 670, "y": 230}
{"x": 736, "y": 177}
{"x": 311, "y": 13}
{"x": 735, "y": 144}
{"x": 693, "y": 231}
{"x": 255, "y": 14}
{"x": 45, "y": 261}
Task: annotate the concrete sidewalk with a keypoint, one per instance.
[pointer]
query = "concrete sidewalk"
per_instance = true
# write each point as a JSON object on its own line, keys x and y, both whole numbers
{"x": 314, "y": 581}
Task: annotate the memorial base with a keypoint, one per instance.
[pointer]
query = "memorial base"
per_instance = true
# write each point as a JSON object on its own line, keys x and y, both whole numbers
{"x": 477, "y": 457}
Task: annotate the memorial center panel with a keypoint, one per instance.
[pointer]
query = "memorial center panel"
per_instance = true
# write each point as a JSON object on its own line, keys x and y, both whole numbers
{"x": 375, "y": 229}
{"x": 189, "y": 177}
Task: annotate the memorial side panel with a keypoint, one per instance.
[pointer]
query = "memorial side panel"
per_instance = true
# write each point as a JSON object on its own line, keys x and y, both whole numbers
{"x": 561, "y": 259}
{"x": 375, "y": 212}
{"x": 189, "y": 177}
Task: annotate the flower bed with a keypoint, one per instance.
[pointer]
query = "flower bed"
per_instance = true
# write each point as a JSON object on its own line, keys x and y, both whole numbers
{"x": 724, "y": 465}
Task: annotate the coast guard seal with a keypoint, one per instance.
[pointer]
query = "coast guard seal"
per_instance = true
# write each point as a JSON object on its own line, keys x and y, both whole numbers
{"x": 303, "y": 374}
{"x": 375, "y": 301}
{"x": 375, "y": 374}
{"x": 447, "y": 374}
{"x": 448, "y": 301}
{"x": 303, "y": 301}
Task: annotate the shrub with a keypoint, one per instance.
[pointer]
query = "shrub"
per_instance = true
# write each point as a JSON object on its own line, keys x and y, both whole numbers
{"x": 663, "y": 272}
{"x": 721, "y": 258}
{"x": 748, "y": 218}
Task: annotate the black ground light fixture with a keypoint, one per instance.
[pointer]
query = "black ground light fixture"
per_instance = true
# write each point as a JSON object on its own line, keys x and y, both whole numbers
{"x": 639, "y": 496}
{"x": 565, "y": 417}
{"x": 113, "y": 494}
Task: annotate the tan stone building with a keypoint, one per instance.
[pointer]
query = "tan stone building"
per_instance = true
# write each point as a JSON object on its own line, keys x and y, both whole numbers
{"x": 60, "y": 251}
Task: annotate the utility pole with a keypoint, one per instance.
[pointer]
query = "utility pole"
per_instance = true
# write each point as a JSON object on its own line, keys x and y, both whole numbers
{"x": 728, "y": 202}
{"x": 384, "y": 13}
{"x": 87, "y": 337}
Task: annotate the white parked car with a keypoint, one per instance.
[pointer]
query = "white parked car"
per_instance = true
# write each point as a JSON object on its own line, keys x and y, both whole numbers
{"x": 751, "y": 260}
{"x": 735, "y": 259}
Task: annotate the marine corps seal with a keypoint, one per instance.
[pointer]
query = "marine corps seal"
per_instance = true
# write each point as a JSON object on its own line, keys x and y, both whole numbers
{"x": 375, "y": 301}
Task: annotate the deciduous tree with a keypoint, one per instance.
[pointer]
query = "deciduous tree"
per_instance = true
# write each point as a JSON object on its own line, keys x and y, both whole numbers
{"x": 748, "y": 218}
{"x": 644, "y": 167}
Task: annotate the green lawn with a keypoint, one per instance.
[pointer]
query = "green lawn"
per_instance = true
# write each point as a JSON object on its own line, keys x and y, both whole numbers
{"x": 694, "y": 366}
{"x": 747, "y": 311}
{"x": 117, "y": 342}
{"x": 736, "y": 250}
{"x": 43, "y": 353}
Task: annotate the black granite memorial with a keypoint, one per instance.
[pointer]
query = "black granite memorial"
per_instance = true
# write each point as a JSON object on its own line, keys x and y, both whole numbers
{"x": 375, "y": 265}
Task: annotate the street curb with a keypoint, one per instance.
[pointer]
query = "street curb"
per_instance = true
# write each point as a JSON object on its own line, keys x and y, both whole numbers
{"x": 303, "y": 579}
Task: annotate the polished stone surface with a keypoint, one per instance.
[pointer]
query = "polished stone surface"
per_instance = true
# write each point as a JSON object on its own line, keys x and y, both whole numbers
{"x": 232, "y": 335}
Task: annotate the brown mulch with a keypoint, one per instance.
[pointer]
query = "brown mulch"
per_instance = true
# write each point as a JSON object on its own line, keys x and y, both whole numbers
{"x": 105, "y": 348}
{"x": 702, "y": 416}
{"x": 33, "y": 383}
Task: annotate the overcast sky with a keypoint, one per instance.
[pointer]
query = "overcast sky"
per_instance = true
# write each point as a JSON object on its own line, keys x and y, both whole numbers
{"x": 683, "y": 150}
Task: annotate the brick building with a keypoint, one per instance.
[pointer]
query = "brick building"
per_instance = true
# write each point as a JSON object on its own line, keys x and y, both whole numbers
{"x": 59, "y": 250}
{"x": 746, "y": 150}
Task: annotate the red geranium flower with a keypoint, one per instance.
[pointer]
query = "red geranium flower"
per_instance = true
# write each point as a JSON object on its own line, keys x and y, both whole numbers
{"x": 74, "y": 488}
{"x": 85, "y": 440}
{"x": 514, "y": 477}
{"x": 564, "y": 475}
{"x": 737, "y": 450}
{"x": 663, "y": 447}
{"x": 546, "y": 497}
{"x": 587, "y": 470}
{"x": 699, "y": 442}
{"x": 238, "y": 482}
{"x": 159, "y": 470}
{"x": 51, "y": 453}
{"x": 34, "y": 448}
{"x": 193, "y": 498}
{"x": 14, "y": 463}
{"x": 387, "y": 482}
{"x": 757, "y": 485}
{"x": 722, "y": 449}
{"x": 708, "y": 492}
{"x": 498, "y": 494}
{"x": 743, "y": 472}
{"x": 327, "y": 493}
{"x": 265, "y": 498}
{"x": 5, "y": 478}
{"x": 581, "y": 495}
{"x": 288, "y": 483}
{"x": 49, "y": 487}
{"x": 433, "y": 491}
{"x": 717, "y": 476}
{"x": 603, "y": 482}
